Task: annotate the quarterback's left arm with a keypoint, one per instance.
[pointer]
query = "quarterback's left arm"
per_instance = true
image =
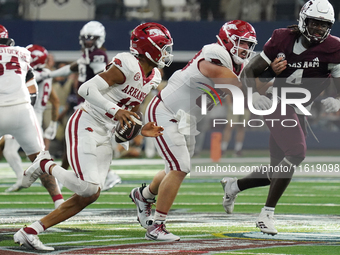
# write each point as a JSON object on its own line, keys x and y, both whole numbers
{"x": 51, "y": 130}
{"x": 151, "y": 130}
{"x": 332, "y": 104}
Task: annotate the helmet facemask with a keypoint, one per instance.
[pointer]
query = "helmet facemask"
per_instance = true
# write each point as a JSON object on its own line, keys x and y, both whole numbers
{"x": 165, "y": 53}
{"x": 311, "y": 36}
{"x": 92, "y": 35}
{"x": 89, "y": 41}
{"x": 235, "y": 40}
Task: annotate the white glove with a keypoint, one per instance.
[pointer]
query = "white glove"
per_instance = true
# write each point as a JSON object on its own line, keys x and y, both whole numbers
{"x": 331, "y": 104}
{"x": 261, "y": 102}
{"x": 51, "y": 130}
{"x": 40, "y": 76}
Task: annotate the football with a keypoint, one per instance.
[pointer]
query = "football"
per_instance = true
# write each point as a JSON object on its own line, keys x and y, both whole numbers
{"x": 123, "y": 134}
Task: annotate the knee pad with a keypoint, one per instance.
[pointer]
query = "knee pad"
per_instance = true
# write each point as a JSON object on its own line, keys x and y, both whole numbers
{"x": 87, "y": 189}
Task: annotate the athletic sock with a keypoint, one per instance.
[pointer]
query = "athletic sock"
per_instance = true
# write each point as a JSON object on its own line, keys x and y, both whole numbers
{"x": 147, "y": 194}
{"x": 224, "y": 146}
{"x": 35, "y": 228}
{"x": 238, "y": 146}
{"x": 45, "y": 165}
{"x": 270, "y": 210}
{"x": 159, "y": 216}
{"x": 58, "y": 200}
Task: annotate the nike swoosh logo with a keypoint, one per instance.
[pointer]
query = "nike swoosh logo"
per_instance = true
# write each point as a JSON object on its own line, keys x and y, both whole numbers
{"x": 131, "y": 133}
{"x": 153, "y": 236}
{"x": 139, "y": 210}
{"x": 87, "y": 91}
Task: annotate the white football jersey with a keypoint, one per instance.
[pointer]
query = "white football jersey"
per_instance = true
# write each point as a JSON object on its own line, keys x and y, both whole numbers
{"x": 44, "y": 92}
{"x": 14, "y": 64}
{"x": 185, "y": 86}
{"x": 128, "y": 94}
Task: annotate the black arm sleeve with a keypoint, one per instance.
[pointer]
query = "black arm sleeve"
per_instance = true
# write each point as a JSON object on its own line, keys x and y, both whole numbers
{"x": 267, "y": 75}
{"x": 29, "y": 75}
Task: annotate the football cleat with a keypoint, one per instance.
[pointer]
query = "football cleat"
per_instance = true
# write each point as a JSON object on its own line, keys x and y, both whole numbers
{"x": 32, "y": 173}
{"x": 229, "y": 196}
{"x": 112, "y": 179}
{"x": 265, "y": 222}
{"x": 14, "y": 187}
{"x": 144, "y": 205}
{"x": 158, "y": 232}
{"x": 30, "y": 241}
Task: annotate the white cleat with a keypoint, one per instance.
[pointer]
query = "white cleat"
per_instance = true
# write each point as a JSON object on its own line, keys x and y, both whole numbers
{"x": 229, "y": 196}
{"x": 32, "y": 173}
{"x": 158, "y": 232}
{"x": 265, "y": 222}
{"x": 15, "y": 187}
{"x": 31, "y": 242}
{"x": 112, "y": 179}
{"x": 144, "y": 213}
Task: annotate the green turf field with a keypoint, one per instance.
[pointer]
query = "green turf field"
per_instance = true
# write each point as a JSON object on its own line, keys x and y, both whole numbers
{"x": 307, "y": 214}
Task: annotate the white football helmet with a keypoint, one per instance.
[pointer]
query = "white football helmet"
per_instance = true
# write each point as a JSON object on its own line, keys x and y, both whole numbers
{"x": 319, "y": 10}
{"x": 94, "y": 31}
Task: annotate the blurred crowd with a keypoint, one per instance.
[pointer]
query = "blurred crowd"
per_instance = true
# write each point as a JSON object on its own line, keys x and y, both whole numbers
{"x": 177, "y": 10}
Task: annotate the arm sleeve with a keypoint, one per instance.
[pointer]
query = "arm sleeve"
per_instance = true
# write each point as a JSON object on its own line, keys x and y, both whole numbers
{"x": 90, "y": 91}
{"x": 29, "y": 74}
{"x": 98, "y": 67}
{"x": 63, "y": 71}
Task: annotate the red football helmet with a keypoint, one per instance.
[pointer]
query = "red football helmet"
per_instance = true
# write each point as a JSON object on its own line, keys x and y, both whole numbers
{"x": 230, "y": 35}
{"x": 4, "y": 40}
{"x": 154, "y": 41}
{"x": 3, "y": 32}
{"x": 38, "y": 55}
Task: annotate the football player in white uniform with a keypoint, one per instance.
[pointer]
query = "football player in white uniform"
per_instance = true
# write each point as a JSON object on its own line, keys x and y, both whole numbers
{"x": 111, "y": 96}
{"x": 16, "y": 112}
{"x": 175, "y": 109}
{"x": 93, "y": 61}
{"x": 46, "y": 93}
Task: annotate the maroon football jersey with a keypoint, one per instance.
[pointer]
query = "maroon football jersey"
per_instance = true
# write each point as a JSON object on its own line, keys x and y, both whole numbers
{"x": 85, "y": 72}
{"x": 309, "y": 69}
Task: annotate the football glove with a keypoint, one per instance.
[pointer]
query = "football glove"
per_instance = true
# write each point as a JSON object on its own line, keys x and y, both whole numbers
{"x": 40, "y": 76}
{"x": 51, "y": 130}
{"x": 331, "y": 104}
{"x": 261, "y": 102}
